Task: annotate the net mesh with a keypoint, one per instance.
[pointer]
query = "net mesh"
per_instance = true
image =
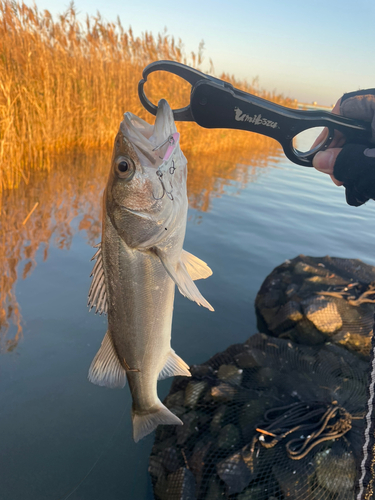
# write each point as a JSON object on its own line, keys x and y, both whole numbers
{"x": 271, "y": 418}
{"x": 312, "y": 300}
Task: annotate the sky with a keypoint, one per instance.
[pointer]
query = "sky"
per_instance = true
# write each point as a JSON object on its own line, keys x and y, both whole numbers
{"x": 306, "y": 50}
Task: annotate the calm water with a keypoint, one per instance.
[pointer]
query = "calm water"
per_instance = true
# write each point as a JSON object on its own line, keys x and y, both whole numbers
{"x": 58, "y": 431}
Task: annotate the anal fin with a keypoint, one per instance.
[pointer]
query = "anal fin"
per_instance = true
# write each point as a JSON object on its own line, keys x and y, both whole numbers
{"x": 106, "y": 369}
{"x": 174, "y": 366}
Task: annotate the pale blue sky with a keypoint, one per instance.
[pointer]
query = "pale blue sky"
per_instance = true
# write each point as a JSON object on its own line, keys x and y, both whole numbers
{"x": 309, "y": 50}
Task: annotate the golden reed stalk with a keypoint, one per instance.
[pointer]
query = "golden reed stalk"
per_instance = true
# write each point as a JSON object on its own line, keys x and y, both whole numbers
{"x": 64, "y": 85}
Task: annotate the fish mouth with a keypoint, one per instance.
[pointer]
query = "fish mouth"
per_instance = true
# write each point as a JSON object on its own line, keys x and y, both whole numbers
{"x": 145, "y": 137}
{"x": 146, "y": 154}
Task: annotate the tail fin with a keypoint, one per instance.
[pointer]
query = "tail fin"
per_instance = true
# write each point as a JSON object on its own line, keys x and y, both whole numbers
{"x": 145, "y": 423}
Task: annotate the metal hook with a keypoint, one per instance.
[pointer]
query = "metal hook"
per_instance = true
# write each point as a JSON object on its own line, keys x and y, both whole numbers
{"x": 168, "y": 193}
{"x": 167, "y": 158}
{"x": 160, "y": 175}
{"x": 172, "y": 169}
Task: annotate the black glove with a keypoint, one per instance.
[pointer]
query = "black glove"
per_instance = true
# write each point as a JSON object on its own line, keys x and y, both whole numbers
{"x": 355, "y": 165}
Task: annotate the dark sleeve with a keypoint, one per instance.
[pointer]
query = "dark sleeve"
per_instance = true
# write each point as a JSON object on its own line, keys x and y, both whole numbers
{"x": 355, "y": 167}
{"x": 356, "y": 93}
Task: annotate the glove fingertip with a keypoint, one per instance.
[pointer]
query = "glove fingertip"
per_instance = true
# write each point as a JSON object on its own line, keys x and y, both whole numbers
{"x": 353, "y": 198}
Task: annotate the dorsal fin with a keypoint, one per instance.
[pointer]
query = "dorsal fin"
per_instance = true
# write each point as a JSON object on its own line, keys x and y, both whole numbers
{"x": 97, "y": 293}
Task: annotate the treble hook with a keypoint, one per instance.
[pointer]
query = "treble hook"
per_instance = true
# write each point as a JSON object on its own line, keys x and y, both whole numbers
{"x": 160, "y": 174}
{"x": 168, "y": 156}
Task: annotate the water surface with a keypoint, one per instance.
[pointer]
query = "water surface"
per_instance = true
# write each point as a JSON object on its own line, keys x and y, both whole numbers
{"x": 62, "y": 437}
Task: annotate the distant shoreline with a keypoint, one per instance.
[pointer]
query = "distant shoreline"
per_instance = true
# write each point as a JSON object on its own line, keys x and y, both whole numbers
{"x": 303, "y": 105}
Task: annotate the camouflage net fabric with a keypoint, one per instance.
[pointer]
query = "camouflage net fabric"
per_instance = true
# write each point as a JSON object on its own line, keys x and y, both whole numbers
{"x": 265, "y": 420}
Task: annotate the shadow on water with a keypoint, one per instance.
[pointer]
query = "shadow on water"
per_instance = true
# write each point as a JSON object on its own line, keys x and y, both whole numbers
{"x": 39, "y": 214}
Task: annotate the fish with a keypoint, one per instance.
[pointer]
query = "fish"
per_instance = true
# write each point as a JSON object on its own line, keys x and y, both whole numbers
{"x": 139, "y": 261}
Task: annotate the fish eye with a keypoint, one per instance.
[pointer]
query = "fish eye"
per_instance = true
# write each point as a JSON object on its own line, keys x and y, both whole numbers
{"x": 124, "y": 167}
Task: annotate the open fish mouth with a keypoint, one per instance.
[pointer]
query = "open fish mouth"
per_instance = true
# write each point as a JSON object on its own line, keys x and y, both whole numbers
{"x": 147, "y": 138}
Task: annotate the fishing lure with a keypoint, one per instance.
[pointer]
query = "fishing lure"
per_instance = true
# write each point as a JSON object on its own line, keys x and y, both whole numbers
{"x": 167, "y": 164}
{"x": 215, "y": 103}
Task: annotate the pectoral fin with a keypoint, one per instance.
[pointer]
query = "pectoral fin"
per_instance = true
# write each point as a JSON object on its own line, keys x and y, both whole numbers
{"x": 183, "y": 280}
{"x": 97, "y": 293}
{"x": 106, "y": 369}
{"x": 174, "y": 366}
{"x": 195, "y": 267}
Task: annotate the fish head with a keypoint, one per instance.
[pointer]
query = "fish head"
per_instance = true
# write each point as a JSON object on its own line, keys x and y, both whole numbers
{"x": 144, "y": 207}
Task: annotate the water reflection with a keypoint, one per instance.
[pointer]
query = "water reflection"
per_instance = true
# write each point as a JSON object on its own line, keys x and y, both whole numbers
{"x": 40, "y": 213}
{"x": 211, "y": 171}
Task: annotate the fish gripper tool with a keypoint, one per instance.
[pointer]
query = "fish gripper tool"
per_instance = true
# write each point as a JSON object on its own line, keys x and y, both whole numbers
{"x": 215, "y": 103}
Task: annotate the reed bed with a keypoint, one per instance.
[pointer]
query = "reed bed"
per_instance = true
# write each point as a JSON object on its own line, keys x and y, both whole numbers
{"x": 64, "y": 85}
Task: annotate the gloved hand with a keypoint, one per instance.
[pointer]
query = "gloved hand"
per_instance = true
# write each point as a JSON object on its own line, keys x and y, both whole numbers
{"x": 351, "y": 165}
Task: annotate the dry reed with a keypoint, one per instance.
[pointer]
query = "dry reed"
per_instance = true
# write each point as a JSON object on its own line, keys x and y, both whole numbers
{"x": 65, "y": 85}
{"x": 63, "y": 89}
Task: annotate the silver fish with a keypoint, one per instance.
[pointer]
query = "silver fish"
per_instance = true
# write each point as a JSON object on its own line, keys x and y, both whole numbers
{"x": 138, "y": 263}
